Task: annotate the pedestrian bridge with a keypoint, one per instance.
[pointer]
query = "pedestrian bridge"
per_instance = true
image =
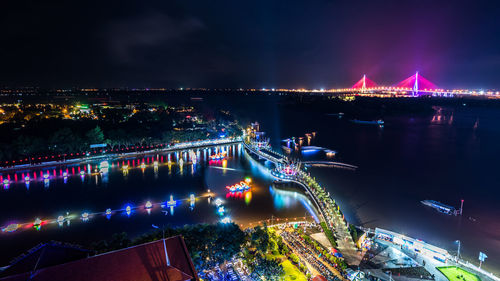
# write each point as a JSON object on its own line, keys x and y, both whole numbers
{"x": 328, "y": 211}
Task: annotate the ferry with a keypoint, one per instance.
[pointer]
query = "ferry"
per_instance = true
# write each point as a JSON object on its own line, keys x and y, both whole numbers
{"x": 379, "y": 122}
{"x": 440, "y": 207}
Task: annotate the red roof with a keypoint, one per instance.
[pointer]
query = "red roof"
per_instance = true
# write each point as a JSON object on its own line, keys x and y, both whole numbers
{"x": 146, "y": 262}
{"x": 319, "y": 278}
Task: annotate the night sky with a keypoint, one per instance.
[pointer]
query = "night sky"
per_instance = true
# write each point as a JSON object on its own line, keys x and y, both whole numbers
{"x": 249, "y": 44}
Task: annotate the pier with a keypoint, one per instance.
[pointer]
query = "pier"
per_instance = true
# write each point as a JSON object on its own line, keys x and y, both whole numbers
{"x": 329, "y": 212}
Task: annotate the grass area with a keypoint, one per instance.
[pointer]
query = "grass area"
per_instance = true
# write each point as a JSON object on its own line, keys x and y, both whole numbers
{"x": 454, "y": 273}
{"x": 291, "y": 271}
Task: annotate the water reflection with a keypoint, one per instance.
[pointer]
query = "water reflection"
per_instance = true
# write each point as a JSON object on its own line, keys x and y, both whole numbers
{"x": 285, "y": 199}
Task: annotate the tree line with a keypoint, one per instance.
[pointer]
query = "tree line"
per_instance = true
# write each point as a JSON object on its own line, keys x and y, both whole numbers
{"x": 57, "y": 136}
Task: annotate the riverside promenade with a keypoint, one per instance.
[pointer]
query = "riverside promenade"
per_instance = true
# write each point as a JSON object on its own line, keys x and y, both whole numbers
{"x": 329, "y": 211}
{"x": 109, "y": 156}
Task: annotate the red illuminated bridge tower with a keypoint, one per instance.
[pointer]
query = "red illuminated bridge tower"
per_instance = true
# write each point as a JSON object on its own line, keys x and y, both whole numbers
{"x": 417, "y": 83}
{"x": 363, "y": 84}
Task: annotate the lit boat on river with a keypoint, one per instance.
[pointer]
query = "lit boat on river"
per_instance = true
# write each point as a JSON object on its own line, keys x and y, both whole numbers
{"x": 440, "y": 207}
{"x": 239, "y": 187}
{"x": 379, "y": 122}
{"x": 218, "y": 156}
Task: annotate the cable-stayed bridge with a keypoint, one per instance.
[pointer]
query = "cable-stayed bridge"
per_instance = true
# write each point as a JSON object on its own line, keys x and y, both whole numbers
{"x": 414, "y": 86}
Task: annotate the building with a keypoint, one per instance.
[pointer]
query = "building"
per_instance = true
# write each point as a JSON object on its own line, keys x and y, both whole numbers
{"x": 166, "y": 259}
{"x": 415, "y": 246}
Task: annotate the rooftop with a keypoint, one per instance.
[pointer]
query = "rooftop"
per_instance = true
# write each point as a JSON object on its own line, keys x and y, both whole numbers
{"x": 155, "y": 261}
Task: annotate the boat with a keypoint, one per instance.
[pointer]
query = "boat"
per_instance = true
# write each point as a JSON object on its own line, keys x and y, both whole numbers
{"x": 379, "y": 122}
{"x": 239, "y": 187}
{"x": 340, "y": 114}
{"x": 330, "y": 153}
{"x": 286, "y": 149}
{"x": 440, "y": 207}
{"x": 218, "y": 156}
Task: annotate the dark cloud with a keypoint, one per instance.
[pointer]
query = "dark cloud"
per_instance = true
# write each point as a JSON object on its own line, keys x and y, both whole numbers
{"x": 259, "y": 43}
{"x": 128, "y": 37}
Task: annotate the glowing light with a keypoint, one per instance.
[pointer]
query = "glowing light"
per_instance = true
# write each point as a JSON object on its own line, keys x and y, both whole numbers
{"x": 248, "y": 180}
{"x": 11, "y": 227}
{"x": 171, "y": 202}
{"x": 364, "y": 83}
{"x": 37, "y": 224}
{"x": 248, "y": 197}
{"x": 148, "y": 205}
{"x": 65, "y": 174}
{"x": 60, "y": 220}
{"x": 46, "y": 176}
{"x": 27, "y": 178}
{"x": 218, "y": 156}
{"x": 155, "y": 163}
{"x": 416, "y": 82}
{"x": 192, "y": 199}
{"x": 108, "y": 212}
{"x": 104, "y": 164}
{"x": 6, "y": 182}
{"x": 143, "y": 165}
{"x": 82, "y": 173}
{"x": 218, "y": 202}
{"x": 226, "y": 220}
{"x": 128, "y": 210}
{"x": 125, "y": 167}
{"x": 85, "y": 216}
{"x": 221, "y": 210}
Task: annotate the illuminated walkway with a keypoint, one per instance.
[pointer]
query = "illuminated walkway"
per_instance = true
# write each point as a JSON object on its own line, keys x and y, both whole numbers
{"x": 176, "y": 147}
{"x": 328, "y": 209}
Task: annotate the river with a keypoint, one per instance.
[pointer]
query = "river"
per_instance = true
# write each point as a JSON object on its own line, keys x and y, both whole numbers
{"x": 446, "y": 154}
{"x": 117, "y": 188}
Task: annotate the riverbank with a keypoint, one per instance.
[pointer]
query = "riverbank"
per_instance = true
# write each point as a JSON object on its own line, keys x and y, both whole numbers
{"x": 114, "y": 156}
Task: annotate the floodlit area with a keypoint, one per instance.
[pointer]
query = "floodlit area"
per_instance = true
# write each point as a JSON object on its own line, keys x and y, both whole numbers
{"x": 454, "y": 273}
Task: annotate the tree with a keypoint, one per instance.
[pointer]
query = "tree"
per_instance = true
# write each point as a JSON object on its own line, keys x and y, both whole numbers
{"x": 27, "y": 146}
{"x": 100, "y": 247}
{"x": 119, "y": 241}
{"x": 270, "y": 269}
{"x": 212, "y": 244}
{"x": 260, "y": 239}
{"x": 354, "y": 233}
{"x": 95, "y": 136}
{"x": 64, "y": 140}
{"x": 117, "y": 138}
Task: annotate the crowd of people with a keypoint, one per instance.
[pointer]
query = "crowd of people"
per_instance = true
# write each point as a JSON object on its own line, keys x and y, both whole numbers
{"x": 310, "y": 255}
